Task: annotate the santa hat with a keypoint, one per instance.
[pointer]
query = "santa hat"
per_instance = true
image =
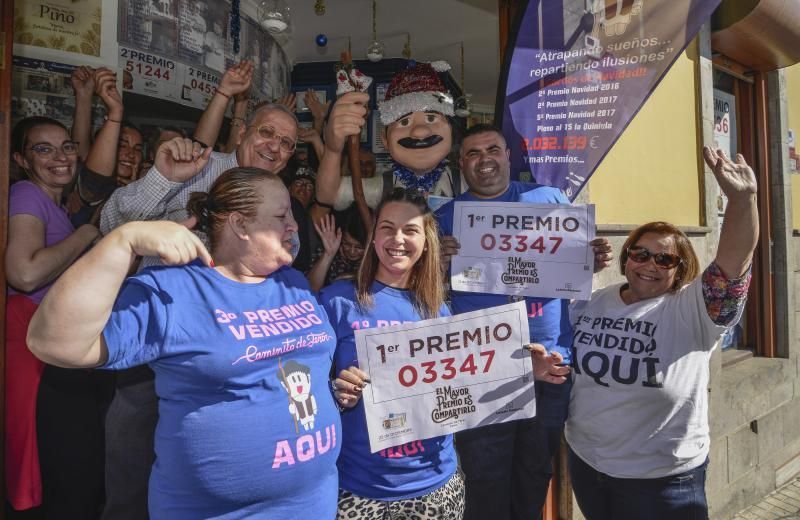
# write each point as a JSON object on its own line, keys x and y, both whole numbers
{"x": 416, "y": 89}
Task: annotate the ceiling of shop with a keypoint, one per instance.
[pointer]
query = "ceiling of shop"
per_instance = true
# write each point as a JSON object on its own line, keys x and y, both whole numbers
{"x": 437, "y": 27}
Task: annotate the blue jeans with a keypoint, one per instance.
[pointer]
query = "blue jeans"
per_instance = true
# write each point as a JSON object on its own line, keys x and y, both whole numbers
{"x": 602, "y": 497}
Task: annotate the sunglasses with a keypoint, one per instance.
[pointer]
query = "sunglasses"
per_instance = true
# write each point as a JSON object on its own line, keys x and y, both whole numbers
{"x": 641, "y": 255}
{"x": 268, "y": 132}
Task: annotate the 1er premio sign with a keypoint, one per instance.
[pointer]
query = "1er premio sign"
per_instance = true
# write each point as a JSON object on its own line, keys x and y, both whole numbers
{"x": 523, "y": 249}
{"x": 440, "y": 376}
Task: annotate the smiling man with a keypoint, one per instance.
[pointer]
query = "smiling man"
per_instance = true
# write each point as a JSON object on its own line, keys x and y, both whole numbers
{"x": 507, "y": 467}
{"x": 417, "y": 135}
{"x": 266, "y": 141}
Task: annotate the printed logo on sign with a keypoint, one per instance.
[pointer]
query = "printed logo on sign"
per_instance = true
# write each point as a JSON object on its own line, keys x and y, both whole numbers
{"x": 567, "y": 288}
{"x": 451, "y": 403}
{"x": 394, "y": 420}
{"x": 508, "y": 409}
{"x": 472, "y": 273}
{"x": 520, "y": 272}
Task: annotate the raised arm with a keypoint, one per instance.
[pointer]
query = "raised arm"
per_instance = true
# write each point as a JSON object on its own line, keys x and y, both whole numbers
{"x": 176, "y": 161}
{"x": 346, "y": 119}
{"x": 238, "y": 120}
{"x": 318, "y": 109}
{"x": 83, "y": 84}
{"x": 739, "y": 233}
{"x": 311, "y": 136}
{"x": 331, "y": 237}
{"x": 67, "y": 327}
{"x": 103, "y": 152}
{"x": 29, "y": 263}
{"x": 236, "y": 80}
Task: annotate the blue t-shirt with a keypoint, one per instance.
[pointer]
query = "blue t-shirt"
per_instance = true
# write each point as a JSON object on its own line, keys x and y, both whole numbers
{"x": 413, "y": 469}
{"x": 548, "y": 318}
{"x": 247, "y": 425}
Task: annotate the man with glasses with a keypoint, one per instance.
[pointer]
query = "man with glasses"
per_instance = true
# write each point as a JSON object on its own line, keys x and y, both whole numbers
{"x": 181, "y": 167}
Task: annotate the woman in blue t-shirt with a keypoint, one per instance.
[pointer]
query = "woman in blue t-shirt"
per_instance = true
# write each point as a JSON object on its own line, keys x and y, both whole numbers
{"x": 240, "y": 348}
{"x": 399, "y": 281}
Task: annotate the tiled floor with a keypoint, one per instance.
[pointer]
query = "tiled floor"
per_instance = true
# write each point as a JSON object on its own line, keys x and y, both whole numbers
{"x": 781, "y": 504}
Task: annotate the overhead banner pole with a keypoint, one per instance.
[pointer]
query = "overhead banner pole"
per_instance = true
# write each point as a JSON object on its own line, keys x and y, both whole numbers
{"x": 577, "y": 72}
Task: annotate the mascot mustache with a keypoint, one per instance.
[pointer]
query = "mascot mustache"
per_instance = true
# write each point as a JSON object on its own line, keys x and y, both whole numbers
{"x": 410, "y": 142}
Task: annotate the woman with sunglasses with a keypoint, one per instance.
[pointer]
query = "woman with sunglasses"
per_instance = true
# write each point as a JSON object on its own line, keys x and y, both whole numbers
{"x": 42, "y": 243}
{"x": 399, "y": 281}
{"x": 638, "y": 418}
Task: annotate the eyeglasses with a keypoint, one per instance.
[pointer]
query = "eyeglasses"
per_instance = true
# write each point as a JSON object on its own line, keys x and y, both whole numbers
{"x": 268, "y": 132}
{"x": 303, "y": 184}
{"x": 641, "y": 255}
{"x": 46, "y": 151}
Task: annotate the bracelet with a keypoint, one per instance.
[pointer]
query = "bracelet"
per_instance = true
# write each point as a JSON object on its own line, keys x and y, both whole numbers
{"x": 113, "y": 120}
{"x": 237, "y": 121}
{"x": 323, "y": 205}
{"x": 221, "y": 93}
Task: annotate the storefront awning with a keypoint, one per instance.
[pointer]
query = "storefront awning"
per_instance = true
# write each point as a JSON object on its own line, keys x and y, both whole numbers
{"x": 761, "y": 34}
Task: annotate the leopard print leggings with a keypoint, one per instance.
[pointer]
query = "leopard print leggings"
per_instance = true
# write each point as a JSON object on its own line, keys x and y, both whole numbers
{"x": 445, "y": 503}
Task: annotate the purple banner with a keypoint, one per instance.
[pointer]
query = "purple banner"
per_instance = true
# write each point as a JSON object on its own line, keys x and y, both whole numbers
{"x": 579, "y": 72}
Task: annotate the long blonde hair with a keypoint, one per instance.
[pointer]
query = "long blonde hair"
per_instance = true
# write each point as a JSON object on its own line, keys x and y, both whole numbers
{"x": 425, "y": 283}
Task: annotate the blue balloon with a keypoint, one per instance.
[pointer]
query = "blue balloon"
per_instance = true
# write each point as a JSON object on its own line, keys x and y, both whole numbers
{"x": 321, "y": 40}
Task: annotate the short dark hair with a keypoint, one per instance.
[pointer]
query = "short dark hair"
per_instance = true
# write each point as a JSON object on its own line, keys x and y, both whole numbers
{"x": 481, "y": 128}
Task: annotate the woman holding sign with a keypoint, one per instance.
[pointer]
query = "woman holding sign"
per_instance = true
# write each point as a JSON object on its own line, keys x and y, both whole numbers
{"x": 399, "y": 281}
{"x": 241, "y": 351}
{"x": 638, "y": 419}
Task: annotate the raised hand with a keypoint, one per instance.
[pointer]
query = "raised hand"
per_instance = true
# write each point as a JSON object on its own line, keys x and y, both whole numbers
{"x": 330, "y": 235}
{"x": 237, "y": 79}
{"x": 105, "y": 82}
{"x": 308, "y": 135}
{"x": 83, "y": 81}
{"x": 448, "y": 246}
{"x": 289, "y": 101}
{"x": 348, "y": 386}
{"x": 346, "y": 119}
{"x": 180, "y": 159}
{"x": 736, "y": 179}
{"x": 546, "y": 367}
{"x": 317, "y": 108}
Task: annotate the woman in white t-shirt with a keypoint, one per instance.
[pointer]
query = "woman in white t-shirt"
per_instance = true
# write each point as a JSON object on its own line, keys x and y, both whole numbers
{"x": 638, "y": 419}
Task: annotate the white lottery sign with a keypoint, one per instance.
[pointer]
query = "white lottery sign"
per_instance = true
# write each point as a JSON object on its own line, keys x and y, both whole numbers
{"x": 444, "y": 375}
{"x": 149, "y": 74}
{"x": 523, "y": 249}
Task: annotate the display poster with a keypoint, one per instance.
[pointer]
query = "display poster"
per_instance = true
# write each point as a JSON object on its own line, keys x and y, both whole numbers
{"x": 179, "y": 49}
{"x": 444, "y": 375}
{"x": 43, "y": 88}
{"x": 64, "y": 25}
{"x": 724, "y": 135}
{"x": 577, "y": 74}
{"x": 794, "y": 154}
{"x": 523, "y": 249}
